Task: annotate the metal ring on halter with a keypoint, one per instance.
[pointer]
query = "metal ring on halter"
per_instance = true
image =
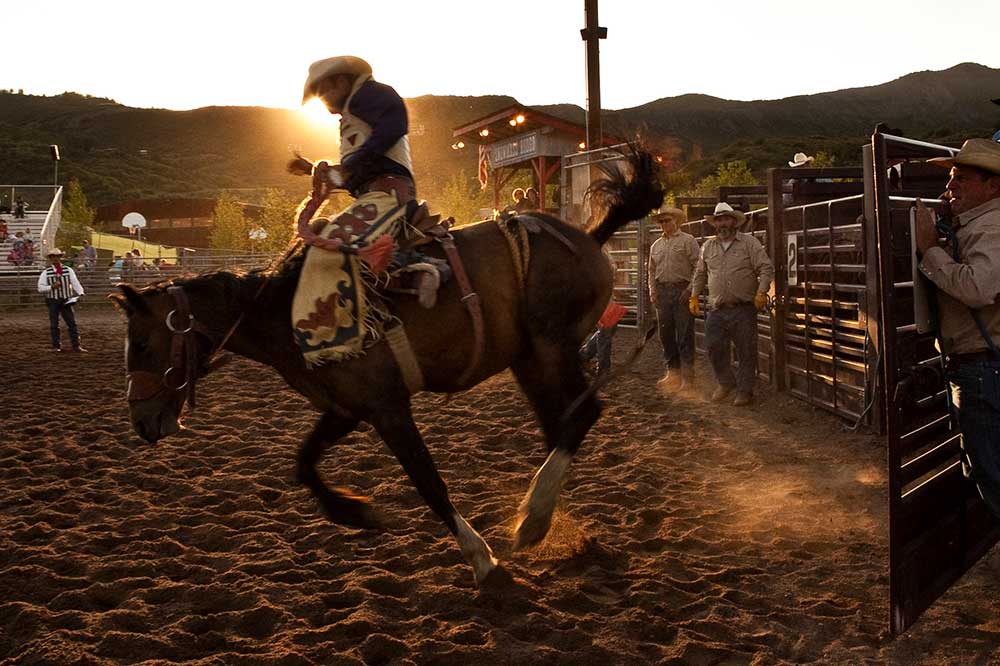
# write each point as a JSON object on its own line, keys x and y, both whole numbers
{"x": 166, "y": 373}
{"x": 170, "y": 316}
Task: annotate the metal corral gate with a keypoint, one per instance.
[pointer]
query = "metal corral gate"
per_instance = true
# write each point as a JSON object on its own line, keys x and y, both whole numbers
{"x": 629, "y": 247}
{"x": 938, "y": 524}
{"x": 820, "y": 318}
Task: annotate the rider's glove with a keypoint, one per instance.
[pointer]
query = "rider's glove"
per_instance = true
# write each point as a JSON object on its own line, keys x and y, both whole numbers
{"x": 693, "y": 306}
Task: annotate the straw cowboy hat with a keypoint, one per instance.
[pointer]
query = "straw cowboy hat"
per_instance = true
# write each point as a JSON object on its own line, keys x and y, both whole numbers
{"x": 55, "y": 252}
{"x": 322, "y": 69}
{"x": 722, "y": 209}
{"x": 665, "y": 214}
{"x": 980, "y": 153}
{"x": 800, "y": 159}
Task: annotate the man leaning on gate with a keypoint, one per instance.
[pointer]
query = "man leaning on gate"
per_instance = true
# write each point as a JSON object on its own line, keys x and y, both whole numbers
{"x": 738, "y": 273}
{"x": 966, "y": 271}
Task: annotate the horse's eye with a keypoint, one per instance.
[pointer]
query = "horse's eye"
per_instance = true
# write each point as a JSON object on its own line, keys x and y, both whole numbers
{"x": 139, "y": 346}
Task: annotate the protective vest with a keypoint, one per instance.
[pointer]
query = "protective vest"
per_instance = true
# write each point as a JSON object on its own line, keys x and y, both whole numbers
{"x": 354, "y": 132}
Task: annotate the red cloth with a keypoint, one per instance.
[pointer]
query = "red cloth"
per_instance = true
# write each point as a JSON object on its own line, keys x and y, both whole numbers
{"x": 612, "y": 315}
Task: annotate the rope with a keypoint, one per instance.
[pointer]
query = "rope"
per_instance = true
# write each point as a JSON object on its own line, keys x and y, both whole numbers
{"x": 520, "y": 261}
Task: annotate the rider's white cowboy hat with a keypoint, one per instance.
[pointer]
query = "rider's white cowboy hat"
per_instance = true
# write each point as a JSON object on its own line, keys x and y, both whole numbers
{"x": 800, "y": 159}
{"x": 722, "y": 209}
{"x": 665, "y": 214}
{"x": 321, "y": 69}
{"x": 55, "y": 252}
{"x": 980, "y": 153}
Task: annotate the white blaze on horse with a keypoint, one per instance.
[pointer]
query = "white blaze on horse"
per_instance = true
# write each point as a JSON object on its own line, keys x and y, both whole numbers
{"x": 535, "y": 318}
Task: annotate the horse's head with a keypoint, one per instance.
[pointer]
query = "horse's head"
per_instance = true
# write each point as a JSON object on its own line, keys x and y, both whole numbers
{"x": 165, "y": 353}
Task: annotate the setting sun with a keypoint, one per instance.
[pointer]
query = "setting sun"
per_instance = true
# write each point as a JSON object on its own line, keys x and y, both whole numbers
{"x": 316, "y": 112}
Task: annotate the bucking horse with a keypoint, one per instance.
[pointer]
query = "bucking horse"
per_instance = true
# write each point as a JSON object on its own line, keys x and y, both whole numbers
{"x": 534, "y": 324}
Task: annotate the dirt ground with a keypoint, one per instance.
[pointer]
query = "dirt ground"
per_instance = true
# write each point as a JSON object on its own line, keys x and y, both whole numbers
{"x": 687, "y": 533}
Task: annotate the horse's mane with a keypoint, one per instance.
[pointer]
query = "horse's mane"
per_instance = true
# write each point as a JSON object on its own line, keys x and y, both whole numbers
{"x": 280, "y": 276}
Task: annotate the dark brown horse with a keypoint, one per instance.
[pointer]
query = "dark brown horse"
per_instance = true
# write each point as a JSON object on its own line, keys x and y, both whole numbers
{"x": 535, "y": 329}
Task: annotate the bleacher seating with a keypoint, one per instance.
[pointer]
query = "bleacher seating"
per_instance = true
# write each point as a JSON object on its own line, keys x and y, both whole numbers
{"x": 32, "y": 220}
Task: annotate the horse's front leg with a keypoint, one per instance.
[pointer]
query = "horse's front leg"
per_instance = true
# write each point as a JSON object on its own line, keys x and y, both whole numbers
{"x": 340, "y": 506}
{"x": 400, "y": 433}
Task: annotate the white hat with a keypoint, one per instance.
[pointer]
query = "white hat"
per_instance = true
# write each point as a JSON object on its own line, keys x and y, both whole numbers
{"x": 327, "y": 67}
{"x": 980, "y": 153}
{"x": 722, "y": 209}
{"x": 800, "y": 159}
{"x": 54, "y": 252}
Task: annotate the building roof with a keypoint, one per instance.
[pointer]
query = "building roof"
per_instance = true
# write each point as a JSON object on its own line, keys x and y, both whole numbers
{"x": 504, "y": 124}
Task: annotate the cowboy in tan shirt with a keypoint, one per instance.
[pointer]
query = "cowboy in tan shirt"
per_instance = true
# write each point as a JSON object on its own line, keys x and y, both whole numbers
{"x": 738, "y": 273}
{"x": 672, "y": 258}
{"x": 968, "y": 290}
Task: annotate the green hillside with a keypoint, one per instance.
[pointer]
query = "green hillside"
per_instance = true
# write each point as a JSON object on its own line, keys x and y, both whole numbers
{"x": 118, "y": 152}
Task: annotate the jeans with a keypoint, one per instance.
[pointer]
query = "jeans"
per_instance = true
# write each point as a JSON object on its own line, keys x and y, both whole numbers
{"x": 599, "y": 345}
{"x": 676, "y": 327}
{"x": 736, "y": 325}
{"x": 975, "y": 395}
{"x": 58, "y": 306}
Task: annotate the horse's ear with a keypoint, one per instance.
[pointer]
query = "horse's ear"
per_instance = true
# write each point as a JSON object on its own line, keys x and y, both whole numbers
{"x": 129, "y": 300}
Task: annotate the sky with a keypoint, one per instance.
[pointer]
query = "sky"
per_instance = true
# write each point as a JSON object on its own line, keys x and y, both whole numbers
{"x": 186, "y": 54}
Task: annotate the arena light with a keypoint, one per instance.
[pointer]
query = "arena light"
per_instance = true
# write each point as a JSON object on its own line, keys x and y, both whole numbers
{"x": 513, "y": 122}
{"x": 582, "y": 146}
{"x": 519, "y": 118}
{"x": 484, "y": 132}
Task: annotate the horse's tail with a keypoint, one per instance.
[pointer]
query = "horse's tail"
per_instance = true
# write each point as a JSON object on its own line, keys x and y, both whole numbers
{"x": 626, "y": 194}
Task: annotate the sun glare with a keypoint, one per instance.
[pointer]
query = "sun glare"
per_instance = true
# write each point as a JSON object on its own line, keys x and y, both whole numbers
{"x": 316, "y": 112}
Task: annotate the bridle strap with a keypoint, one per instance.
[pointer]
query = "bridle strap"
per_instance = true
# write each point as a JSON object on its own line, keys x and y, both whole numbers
{"x": 143, "y": 385}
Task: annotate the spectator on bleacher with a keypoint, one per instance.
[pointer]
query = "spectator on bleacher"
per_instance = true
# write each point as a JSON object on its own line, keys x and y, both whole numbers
{"x": 28, "y": 253}
{"x": 967, "y": 275}
{"x": 19, "y": 209}
{"x": 137, "y": 261}
{"x": 62, "y": 289}
{"x": 4, "y": 231}
{"x": 738, "y": 273}
{"x": 672, "y": 259}
{"x": 116, "y": 270}
{"x": 4, "y": 203}
{"x": 88, "y": 255}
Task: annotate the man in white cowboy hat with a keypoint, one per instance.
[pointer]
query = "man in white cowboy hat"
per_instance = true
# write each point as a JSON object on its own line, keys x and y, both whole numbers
{"x": 967, "y": 275}
{"x": 376, "y": 168}
{"x": 672, "y": 259}
{"x": 738, "y": 273}
{"x": 373, "y": 127}
{"x": 62, "y": 289}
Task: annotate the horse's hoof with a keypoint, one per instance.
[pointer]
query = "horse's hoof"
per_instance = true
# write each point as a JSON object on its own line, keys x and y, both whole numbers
{"x": 485, "y": 570}
{"x": 530, "y": 530}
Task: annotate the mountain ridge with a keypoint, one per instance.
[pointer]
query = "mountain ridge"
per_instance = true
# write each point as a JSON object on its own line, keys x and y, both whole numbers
{"x": 120, "y": 152}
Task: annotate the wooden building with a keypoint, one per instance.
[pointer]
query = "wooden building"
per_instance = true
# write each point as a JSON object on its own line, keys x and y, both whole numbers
{"x": 520, "y": 138}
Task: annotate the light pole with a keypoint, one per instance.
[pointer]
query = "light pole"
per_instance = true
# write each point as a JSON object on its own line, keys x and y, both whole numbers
{"x": 54, "y": 151}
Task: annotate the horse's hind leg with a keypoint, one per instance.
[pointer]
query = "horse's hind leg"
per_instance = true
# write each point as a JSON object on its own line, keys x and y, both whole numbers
{"x": 400, "y": 433}
{"x": 552, "y": 380}
{"x": 340, "y": 506}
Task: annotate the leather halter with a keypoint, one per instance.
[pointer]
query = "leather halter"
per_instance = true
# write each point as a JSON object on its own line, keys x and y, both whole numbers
{"x": 183, "y": 371}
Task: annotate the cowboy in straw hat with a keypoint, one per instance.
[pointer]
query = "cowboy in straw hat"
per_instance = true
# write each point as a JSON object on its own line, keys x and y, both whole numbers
{"x": 738, "y": 274}
{"x": 800, "y": 159}
{"x": 62, "y": 289}
{"x": 376, "y": 168}
{"x": 672, "y": 259}
{"x": 967, "y": 275}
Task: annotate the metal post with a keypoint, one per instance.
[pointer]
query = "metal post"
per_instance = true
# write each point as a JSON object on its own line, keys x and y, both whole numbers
{"x": 777, "y": 244}
{"x": 591, "y": 34}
